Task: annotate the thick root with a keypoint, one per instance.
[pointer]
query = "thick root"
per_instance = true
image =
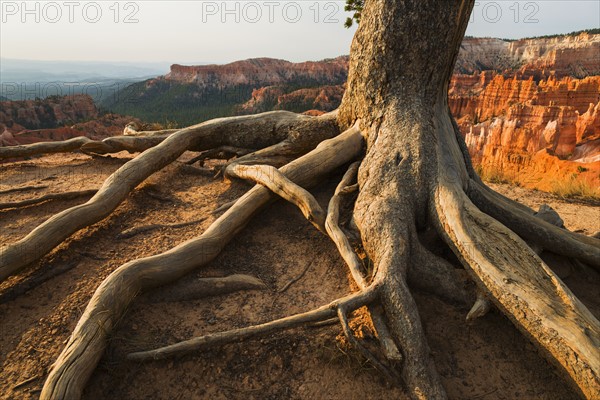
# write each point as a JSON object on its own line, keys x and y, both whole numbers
{"x": 351, "y": 302}
{"x": 86, "y": 145}
{"x": 523, "y": 287}
{"x": 239, "y": 131}
{"x": 122, "y": 143}
{"x": 418, "y": 370}
{"x": 28, "y": 150}
{"x": 108, "y": 304}
{"x": 524, "y": 223}
{"x": 354, "y": 265}
{"x": 271, "y": 178}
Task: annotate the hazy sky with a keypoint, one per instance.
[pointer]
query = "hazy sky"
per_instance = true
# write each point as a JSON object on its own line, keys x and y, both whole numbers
{"x": 196, "y": 31}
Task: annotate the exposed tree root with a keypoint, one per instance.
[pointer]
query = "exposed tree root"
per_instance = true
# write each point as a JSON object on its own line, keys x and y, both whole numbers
{"x": 221, "y": 153}
{"x": 224, "y": 207}
{"x": 354, "y": 265}
{"x": 521, "y": 285}
{"x": 49, "y": 197}
{"x": 418, "y": 372}
{"x": 433, "y": 274}
{"x": 338, "y": 236}
{"x": 116, "y": 144}
{"x": 246, "y": 131}
{"x": 191, "y": 170}
{"x": 295, "y": 279}
{"x": 28, "y": 150}
{"x": 389, "y": 373}
{"x": 186, "y": 290}
{"x": 525, "y": 224}
{"x": 86, "y": 345}
{"x": 481, "y": 307}
{"x": 131, "y": 232}
{"x": 271, "y": 178}
{"x": 86, "y": 145}
{"x": 416, "y": 174}
{"x": 351, "y": 302}
{"x": 131, "y": 131}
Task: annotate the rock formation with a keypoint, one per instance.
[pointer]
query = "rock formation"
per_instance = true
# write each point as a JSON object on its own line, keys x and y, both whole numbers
{"x": 529, "y": 108}
{"x": 56, "y": 118}
{"x": 322, "y": 98}
{"x": 262, "y": 72}
{"x": 508, "y": 120}
{"x": 51, "y": 112}
{"x": 569, "y": 55}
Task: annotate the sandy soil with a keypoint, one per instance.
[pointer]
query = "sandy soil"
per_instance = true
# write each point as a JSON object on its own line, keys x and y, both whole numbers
{"x": 487, "y": 359}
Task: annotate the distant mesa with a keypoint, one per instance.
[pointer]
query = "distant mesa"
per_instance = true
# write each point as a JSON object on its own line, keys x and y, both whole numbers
{"x": 529, "y": 109}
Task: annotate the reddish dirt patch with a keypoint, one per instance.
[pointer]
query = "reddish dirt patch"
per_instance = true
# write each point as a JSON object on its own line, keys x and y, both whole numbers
{"x": 488, "y": 359}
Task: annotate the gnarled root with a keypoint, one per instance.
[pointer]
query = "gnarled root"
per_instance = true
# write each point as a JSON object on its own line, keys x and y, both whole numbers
{"x": 418, "y": 370}
{"x": 28, "y": 150}
{"x": 86, "y": 345}
{"x": 271, "y": 178}
{"x": 522, "y": 286}
{"x": 354, "y": 265}
{"x": 247, "y": 131}
{"x": 524, "y": 223}
{"x": 115, "y": 144}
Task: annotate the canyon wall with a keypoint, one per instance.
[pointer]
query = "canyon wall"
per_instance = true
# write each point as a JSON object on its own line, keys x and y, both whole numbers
{"x": 567, "y": 55}
{"x": 530, "y": 109}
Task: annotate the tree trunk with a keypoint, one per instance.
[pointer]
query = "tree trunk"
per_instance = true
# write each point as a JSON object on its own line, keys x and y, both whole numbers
{"x": 394, "y": 88}
{"x": 415, "y": 174}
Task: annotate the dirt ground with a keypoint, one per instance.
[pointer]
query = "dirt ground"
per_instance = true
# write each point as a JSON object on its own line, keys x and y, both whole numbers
{"x": 488, "y": 359}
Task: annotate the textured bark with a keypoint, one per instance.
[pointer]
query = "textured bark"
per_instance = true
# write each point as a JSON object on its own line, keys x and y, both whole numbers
{"x": 416, "y": 176}
{"x": 392, "y": 89}
{"x": 43, "y": 148}
{"x": 414, "y": 160}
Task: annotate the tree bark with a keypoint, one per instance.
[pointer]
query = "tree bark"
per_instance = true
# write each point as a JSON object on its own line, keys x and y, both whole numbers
{"x": 416, "y": 174}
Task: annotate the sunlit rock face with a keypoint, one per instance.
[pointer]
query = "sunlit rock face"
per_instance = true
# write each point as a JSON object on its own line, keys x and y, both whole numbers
{"x": 261, "y": 72}
{"x": 534, "y": 115}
